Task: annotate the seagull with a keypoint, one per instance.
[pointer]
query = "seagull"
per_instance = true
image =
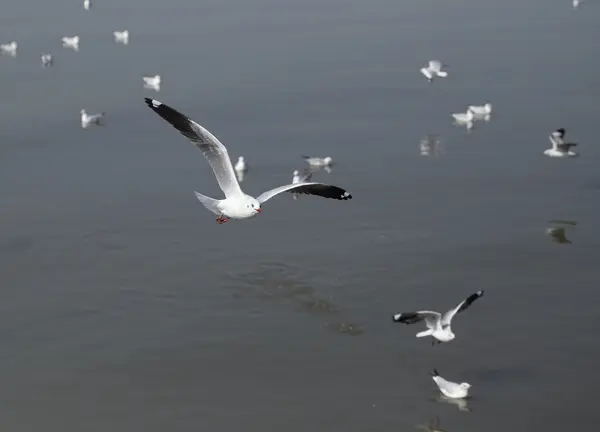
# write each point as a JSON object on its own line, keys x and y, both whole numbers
{"x": 240, "y": 165}
{"x": 71, "y": 42}
{"x": 451, "y": 389}
{"x": 300, "y": 178}
{"x": 438, "y": 325}
{"x": 237, "y": 204}
{"x": 9, "y": 48}
{"x": 464, "y": 119}
{"x": 434, "y": 69}
{"x": 47, "y": 59}
{"x": 559, "y": 147}
{"x": 152, "y": 83}
{"x": 481, "y": 110}
{"x": 87, "y": 4}
{"x": 121, "y": 37}
{"x": 318, "y": 162}
{"x": 558, "y": 235}
{"x": 90, "y": 119}
{"x": 576, "y": 3}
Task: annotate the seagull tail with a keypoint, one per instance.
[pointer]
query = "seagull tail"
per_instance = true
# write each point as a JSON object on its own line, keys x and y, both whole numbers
{"x": 208, "y": 202}
{"x": 425, "y": 333}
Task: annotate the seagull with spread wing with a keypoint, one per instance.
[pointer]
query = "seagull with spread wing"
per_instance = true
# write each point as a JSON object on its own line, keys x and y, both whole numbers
{"x": 237, "y": 204}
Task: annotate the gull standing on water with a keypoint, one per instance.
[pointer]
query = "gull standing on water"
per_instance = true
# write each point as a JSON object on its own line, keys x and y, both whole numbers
{"x": 9, "y": 48}
{"x": 438, "y": 325}
{"x": 90, "y": 119}
{"x": 237, "y": 204}
{"x": 121, "y": 37}
{"x": 152, "y": 83}
{"x": 560, "y": 148}
{"x": 47, "y": 59}
{"x": 451, "y": 389}
{"x": 71, "y": 42}
{"x": 434, "y": 70}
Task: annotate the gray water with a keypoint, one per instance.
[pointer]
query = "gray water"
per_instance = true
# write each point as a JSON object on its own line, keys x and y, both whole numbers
{"x": 125, "y": 307}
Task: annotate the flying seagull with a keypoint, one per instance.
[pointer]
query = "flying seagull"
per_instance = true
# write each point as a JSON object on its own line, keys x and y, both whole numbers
{"x": 90, "y": 119}
{"x": 237, "y": 204}
{"x": 560, "y": 148}
{"x": 451, "y": 389}
{"x": 438, "y": 325}
{"x": 434, "y": 69}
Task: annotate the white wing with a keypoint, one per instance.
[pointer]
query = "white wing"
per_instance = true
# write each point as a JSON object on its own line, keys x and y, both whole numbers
{"x": 211, "y": 147}
{"x": 310, "y": 188}
{"x": 432, "y": 319}
{"x": 462, "y": 306}
{"x": 446, "y": 386}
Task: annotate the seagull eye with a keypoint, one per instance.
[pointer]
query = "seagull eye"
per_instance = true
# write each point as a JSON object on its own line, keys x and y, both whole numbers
{"x": 252, "y": 205}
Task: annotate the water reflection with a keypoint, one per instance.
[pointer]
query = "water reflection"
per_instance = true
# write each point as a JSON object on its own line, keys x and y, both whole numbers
{"x": 462, "y": 404}
{"x": 558, "y": 233}
{"x": 432, "y": 426}
{"x": 431, "y": 145}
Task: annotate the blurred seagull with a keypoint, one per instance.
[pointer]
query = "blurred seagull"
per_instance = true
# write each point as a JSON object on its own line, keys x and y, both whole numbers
{"x": 90, "y": 119}
{"x": 47, "y": 59}
{"x": 9, "y": 48}
{"x": 121, "y": 37}
{"x": 152, "y": 83}
{"x": 434, "y": 70}
{"x": 71, "y": 42}
{"x": 560, "y": 148}
{"x": 300, "y": 178}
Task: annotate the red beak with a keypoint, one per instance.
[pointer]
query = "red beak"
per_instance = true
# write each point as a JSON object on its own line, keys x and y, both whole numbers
{"x": 258, "y": 210}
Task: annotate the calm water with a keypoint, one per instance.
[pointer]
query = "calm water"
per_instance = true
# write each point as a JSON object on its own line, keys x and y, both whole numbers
{"x": 124, "y": 307}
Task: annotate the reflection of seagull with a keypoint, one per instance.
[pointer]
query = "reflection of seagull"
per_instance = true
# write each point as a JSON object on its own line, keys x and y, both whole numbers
{"x": 300, "y": 178}
{"x": 47, "y": 59}
{"x": 558, "y": 235}
{"x": 430, "y": 145}
{"x": 152, "y": 83}
{"x": 237, "y": 204}
{"x": 90, "y": 119}
{"x": 560, "y": 148}
{"x": 71, "y": 42}
{"x": 451, "y": 389}
{"x": 462, "y": 404}
{"x": 433, "y": 426}
{"x": 438, "y": 325}
{"x": 434, "y": 70}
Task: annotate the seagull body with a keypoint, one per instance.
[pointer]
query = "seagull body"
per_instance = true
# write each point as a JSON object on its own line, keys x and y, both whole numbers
{"x": 9, "y": 48}
{"x": 451, "y": 389}
{"x": 47, "y": 59}
{"x": 481, "y": 110}
{"x": 438, "y": 325}
{"x": 298, "y": 177}
{"x": 87, "y": 4}
{"x": 71, "y": 42}
{"x": 121, "y": 36}
{"x": 464, "y": 119}
{"x": 318, "y": 162}
{"x": 237, "y": 204}
{"x": 560, "y": 148}
{"x": 434, "y": 70}
{"x": 90, "y": 119}
{"x": 152, "y": 83}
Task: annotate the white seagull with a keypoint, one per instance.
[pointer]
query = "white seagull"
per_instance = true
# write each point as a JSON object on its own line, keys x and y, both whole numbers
{"x": 87, "y": 4}
{"x": 481, "y": 110}
{"x": 438, "y": 325}
{"x": 121, "y": 37}
{"x": 71, "y": 42}
{"x": 434, "y": 70}
{"x": 300, "y": 178}
{"x": 237, "y": 204}
{"x": 9, "y": 48}
{"x": 464, "y": 119}
{"x": 240, "y": 165}
{"x": 47, "y": 59}
{"x": 576, "y": 3}
{"x": 451, "y": 389}
{"x": 318, "y": 162}
{"x": 560, "y": 148}
{"x": 152, "y": 83}
{"x": 90, "y": 119}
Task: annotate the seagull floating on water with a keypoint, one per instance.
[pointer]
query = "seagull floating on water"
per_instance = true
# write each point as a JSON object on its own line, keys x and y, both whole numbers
{"x": 152, "y": 83}
{"x": 318, "y": 162}
{"x": 47, "y": 59}
{"x": 87, "y": 4}
{"x": 90, "y": 119}
{"x": 298, "y": 177}
{"x": 438, "y": 325}
{"x": 451, "y": 389}
{"x": 560, "y": 148}
{"x": 464, "y": 119}
{"x": 434, "y": 70}
{"x": 121, "y": 37}
{"x": 481, "y": 110}
{"x": 9, "y": 48}
{"x": 237, "y": 204}
{"x": 71, "y": 42}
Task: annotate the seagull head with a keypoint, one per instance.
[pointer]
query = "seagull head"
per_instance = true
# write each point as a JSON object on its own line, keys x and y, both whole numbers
{"x": 253, "y": 206}
{"x": 465, "y": 386}
{"x": 327, "y": 160}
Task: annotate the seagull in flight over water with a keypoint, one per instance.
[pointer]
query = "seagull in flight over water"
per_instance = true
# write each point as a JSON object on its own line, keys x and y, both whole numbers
{"x": 237, "y": 204}
{"x": 438, "y": 325}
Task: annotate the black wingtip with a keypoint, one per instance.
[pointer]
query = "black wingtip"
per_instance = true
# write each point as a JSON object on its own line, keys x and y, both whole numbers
{"x": 434, "y": 373}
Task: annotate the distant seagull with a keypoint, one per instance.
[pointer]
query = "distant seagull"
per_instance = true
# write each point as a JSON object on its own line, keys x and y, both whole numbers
{"x": 558, "y": 235}
{"x": 430, "y": 145}
{"x": 152, "y": 83}
{"x": 438, "y": 325}
{"x": 560, "y": 148}
{"x": 318, "y": 162}
{"x": 451, "y": 389}
{"x": 433, "y": 426}
{"x": 576, "y": 3}
{"x": 71, "y": 42}
{"x": 47, "y": 59}
{"x": 464, "y": 119}
{"x": 9, "y": 49}
{"x": 240, "y": 169}
{"x": 298, "y": 177}
{"x": 121, "y": 37}
{"x": 237, "y": 204}
{"x": 434, "y": 70}
{"x": 481, "y": 111}
{"x": 90, "y": 119}
{"x": 87, "y": 4}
